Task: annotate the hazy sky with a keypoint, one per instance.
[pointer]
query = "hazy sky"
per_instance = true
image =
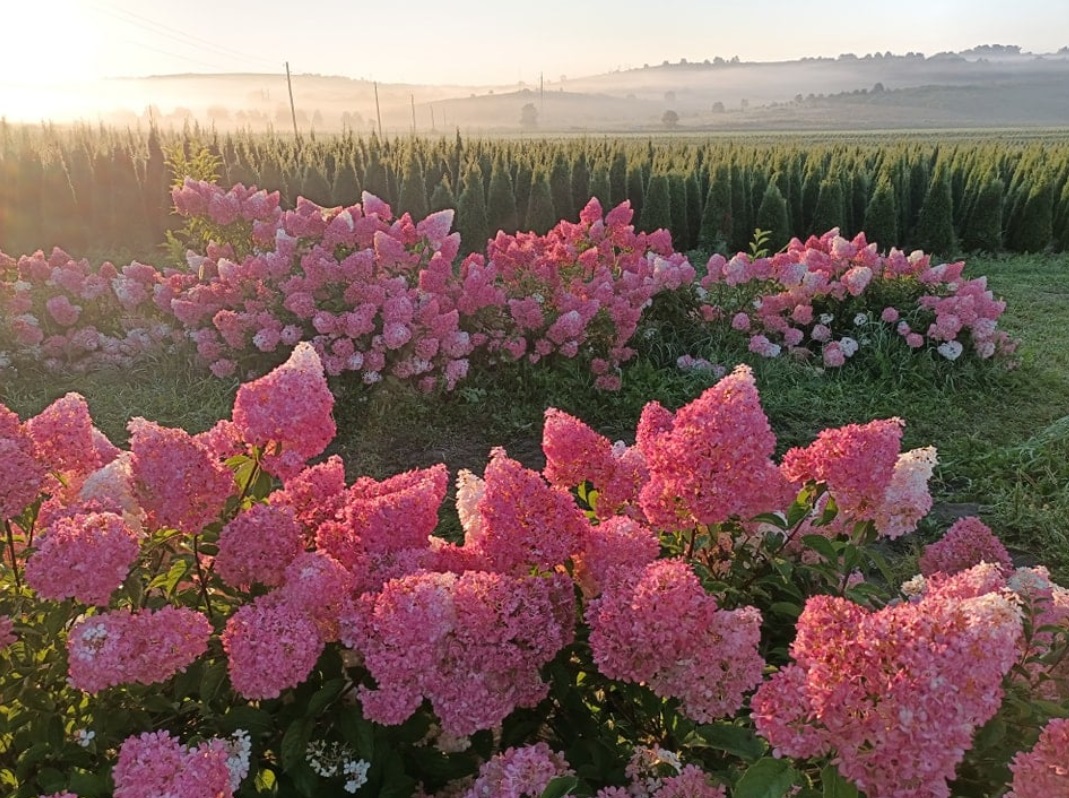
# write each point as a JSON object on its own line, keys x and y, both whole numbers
{"x": 50, "y": 42}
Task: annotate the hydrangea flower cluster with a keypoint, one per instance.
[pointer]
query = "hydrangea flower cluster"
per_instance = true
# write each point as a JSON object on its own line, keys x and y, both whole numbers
{"x": 122, "y": 647}
{"x": 579, "y": 289}
{"x": 472, "y": 644}
{"x": 157, "y": 763}
{"x": 711, "y": 460}
{"x": 176, "y": 479}
{"x": 85, "y": 557}
{"x": 705, "y": 656}
{"x": 347, "y": 280}
{"x": 519, "y": 773}
{"x": 820, "y": 297}
{"x": 968, "y": 542}
{"x": 1043, "y": 771}
{"x": 872, "y": 687}
{"x": 287, "y": 413}
{"x": 64, "y": 312}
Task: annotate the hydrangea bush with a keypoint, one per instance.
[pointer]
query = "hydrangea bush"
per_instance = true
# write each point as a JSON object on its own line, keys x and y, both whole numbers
{"x": 226, "y": 614}
{"x": 380, "y": 296}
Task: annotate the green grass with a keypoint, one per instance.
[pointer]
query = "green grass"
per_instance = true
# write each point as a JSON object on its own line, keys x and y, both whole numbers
{"x": 1002, "y": 435}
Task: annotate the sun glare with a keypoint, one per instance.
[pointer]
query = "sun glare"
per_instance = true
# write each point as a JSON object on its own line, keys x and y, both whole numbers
{"x": 50, "y": 53}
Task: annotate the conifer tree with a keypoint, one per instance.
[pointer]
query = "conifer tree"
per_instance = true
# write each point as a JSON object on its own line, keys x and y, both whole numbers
{"x": 346, "y": 188}
{"x": 716, "y": 225}
{"x": 471, "y": 219}
{"x": 413, "y": 199}
{"x": 694, "y": 208}
{"x": 580, "y": 188}
{"x": 600, "y": 186}
{"x": 677, "y": 203}
{"x": 935, "y": 223}
{"x": 772, "y": 217}
{"x": 636, "y": 188}
{"x": 657, "y": 208}
{"x": 828, "y": 212}
{"x": 541, "y": 215}
{"x": 1033, "y": 230}
{"x": 560, "y": 182}
{"x": 442, "y": 198}
{"x": 618, "y": 178}
{"x": 881, "y": 217}
{"x": 314, "y": 185}
{"x": 983, "y": 227}
{"x": 501, "y": 201}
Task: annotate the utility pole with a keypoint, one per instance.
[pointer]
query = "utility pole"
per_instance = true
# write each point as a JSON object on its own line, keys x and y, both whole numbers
{"x": 433, "y": 128}
{"x": 541, "y": 97}
{"x": 378, "y": 113}
{"x": 293, "y": 108}
{"x": 412, "y": 97}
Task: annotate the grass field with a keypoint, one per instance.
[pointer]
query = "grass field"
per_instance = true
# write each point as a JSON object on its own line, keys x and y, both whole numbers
{"x": 1002, "y": 436}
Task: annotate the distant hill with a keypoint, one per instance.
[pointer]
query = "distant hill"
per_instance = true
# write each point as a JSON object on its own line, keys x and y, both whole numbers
{"x": 988, "y": 86}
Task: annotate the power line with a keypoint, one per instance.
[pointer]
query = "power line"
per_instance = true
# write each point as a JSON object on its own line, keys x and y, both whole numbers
{"x": 176, "y": 36}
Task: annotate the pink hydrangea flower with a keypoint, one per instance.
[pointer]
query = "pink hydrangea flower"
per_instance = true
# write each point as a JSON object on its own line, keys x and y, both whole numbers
{"x": 290, "y": 407}
{"x": 907, "y": 499}
{"x": 7, "y": 632}
{"x": 272, "y": 646}
{"x": 257, "y": 546}
{"x": 177, "y": 481}
{"x": 856, "y": 462}
{"x": 154, "y": 764}
{"x": 897, "y": 694}
{"x": 1043, "y": 772}
{"x": 968, "y": 542}
{"x": 707, "y": 657}
{"x": 85, "y": 557}
{"x": 575, "y": 453}
{"x": 472, "y": 644}
{"x": 525, "y": 522}
{"x": 146, "y": 647}
{"x": 518, "y": 773}
{"x": 711, "y": 460}
{"x": 63, "y": 437}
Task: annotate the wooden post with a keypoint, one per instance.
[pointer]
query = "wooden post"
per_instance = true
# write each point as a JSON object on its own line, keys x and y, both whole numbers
{"x": 293, "y": 108}
{"x": 378, "y": 113}
{"x": 412, "y": 97}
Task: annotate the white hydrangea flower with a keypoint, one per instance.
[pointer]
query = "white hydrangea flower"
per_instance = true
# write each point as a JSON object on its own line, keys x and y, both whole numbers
{"x": 951, "y": 350}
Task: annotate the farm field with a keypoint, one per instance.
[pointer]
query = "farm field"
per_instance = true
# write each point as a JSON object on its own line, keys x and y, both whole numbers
{"x": 291, "y": 558}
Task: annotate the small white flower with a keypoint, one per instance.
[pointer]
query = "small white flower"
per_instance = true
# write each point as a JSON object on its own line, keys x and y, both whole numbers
{"x": 356, "y": 770}
{"x": 826, "y": 318}
{"x": 861, "y": 319}
{"x": 951, "y": 350}
{"x": 848, "y": 345}
{"x": 915, "y": 586}
{"x": 84, "y": 737}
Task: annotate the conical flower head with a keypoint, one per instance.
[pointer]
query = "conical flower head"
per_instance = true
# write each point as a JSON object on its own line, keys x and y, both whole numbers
{"x": 712, "y": 460}
{"x": 290, "y": 407}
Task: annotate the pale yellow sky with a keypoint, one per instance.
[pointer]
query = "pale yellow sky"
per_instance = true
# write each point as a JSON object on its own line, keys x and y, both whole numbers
{"x": 53, "y": 48}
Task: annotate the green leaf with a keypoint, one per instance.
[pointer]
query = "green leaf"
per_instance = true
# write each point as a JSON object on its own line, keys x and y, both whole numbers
{"x": 358, "y": 732}
{"x": 294, "y": 746}
{"x": 822, "y": 546}
{"x": 788, "y": 608}
{"x": 212, "y": 680}
{"x": 736, "y": 740}
{"x": 560, "y": 786}
{"x": 168, "y": 581}
{"x": 324, "y": 697}
{"x": 766, "y": 778}
{"x": 88, "y": 785}
{"x": 835, "y": 786}
{"x": 254, "y": 720}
